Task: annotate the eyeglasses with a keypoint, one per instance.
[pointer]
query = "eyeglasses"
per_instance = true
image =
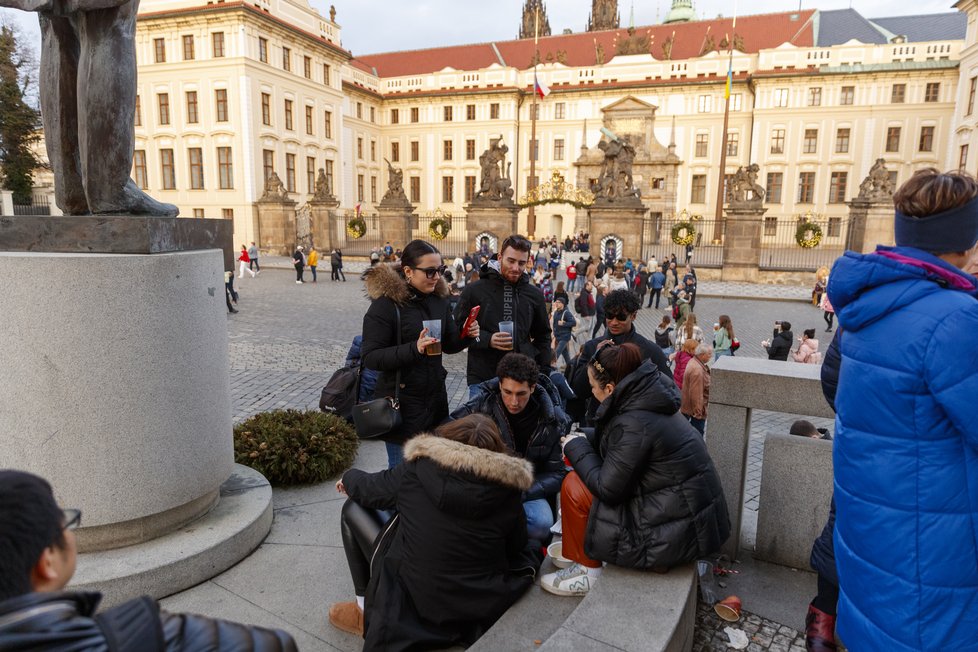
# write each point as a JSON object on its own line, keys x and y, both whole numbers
{"x": 431, "y": 272}
{"x": 619, "y": 316}
{"x": 72, "y": 518}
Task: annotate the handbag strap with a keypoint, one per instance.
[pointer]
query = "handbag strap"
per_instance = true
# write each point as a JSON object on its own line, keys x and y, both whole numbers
{"x": 397, "y": 377}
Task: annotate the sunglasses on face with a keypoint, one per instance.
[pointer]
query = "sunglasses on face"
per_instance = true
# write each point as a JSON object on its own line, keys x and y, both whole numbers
{"x": 72, "y": 518}
{"x": 619, "y": 316}
{"x": 431, "y": 272}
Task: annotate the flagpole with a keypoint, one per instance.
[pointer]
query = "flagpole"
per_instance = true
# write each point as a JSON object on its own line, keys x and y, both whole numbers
{"x": 728, "y": 88}
{"x": 531, "y": 217}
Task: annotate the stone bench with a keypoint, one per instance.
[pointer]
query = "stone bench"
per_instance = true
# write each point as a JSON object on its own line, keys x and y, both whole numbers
{"x": 626, "y": 610}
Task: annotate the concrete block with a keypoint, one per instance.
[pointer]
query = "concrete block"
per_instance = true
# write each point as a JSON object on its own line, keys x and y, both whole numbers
{"x": 116, "y": 386}
{"x": 796, "y": 489}
{"x": 768, "y": 385}
{"x": 727, "y": 443}
{"x": 6, "y": 202}
{"x": 195, "y": 553}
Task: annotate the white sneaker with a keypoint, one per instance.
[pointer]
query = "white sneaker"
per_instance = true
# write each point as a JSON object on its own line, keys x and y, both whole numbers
{"x": 298, "y": 282}
{"x": 573, "y": 580}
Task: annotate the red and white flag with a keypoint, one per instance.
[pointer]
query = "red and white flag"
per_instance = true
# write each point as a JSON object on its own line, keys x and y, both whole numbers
{"x": 357, "y": 209}
{"x": 539, "y": 87}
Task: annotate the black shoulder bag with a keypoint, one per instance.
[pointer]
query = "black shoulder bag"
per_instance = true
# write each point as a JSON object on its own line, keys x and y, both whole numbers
{"x": 378, "y": 417}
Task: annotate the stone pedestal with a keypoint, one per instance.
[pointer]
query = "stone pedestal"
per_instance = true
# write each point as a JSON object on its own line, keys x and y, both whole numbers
{"x": 397, "y": 224}
{"x": 622, "y": 220}
{"x": 123, "y": 401}
{"x": 276, "y": 226}
{"x": 871, "y": 224}
{"x": 322, "y": 215}
{"x": 499, "y": 219}
{"x": 742, "y": 242}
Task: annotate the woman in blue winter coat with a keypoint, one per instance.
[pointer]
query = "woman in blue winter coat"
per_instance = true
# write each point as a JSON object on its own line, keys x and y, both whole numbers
{"x": 906, "y": 448}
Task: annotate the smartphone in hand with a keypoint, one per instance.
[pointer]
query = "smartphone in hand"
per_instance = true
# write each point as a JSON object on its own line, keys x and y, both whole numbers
{"x": 473, "y": 314}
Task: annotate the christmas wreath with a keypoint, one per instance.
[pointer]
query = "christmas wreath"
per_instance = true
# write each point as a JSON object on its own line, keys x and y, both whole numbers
{"x": 808, "y": 235}
{"x": 439, "y": 228}
{"x": 687, "y": 229}
{"x": 356, "y": 228}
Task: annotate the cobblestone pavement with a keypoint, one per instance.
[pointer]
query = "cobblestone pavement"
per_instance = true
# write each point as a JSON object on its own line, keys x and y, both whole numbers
{"x": 763, "y": 634}
{"x": 287, "y": 340}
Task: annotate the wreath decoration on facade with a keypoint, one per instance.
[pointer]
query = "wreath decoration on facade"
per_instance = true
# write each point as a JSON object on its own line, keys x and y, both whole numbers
{"x": 356, "y": 228}
{"x": 683, "y": 227}
{"x": 439, "y": 228}
{"x": 808, "y": 235}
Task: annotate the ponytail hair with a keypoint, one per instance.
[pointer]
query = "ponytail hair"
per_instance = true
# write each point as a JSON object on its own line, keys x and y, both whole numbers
{"x": 613, "y": 362}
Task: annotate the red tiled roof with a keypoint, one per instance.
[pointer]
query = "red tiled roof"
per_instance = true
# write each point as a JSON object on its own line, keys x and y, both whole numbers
{"x": 760, "y": 32}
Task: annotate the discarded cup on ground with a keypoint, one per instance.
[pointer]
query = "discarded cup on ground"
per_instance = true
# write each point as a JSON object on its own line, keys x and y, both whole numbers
{"x": 709, "y": 591}
{"x": 728, "y": 609}
{"x": 507, "y": 327}
{"x": 434, "y": 330}
{"x": 555, "y": 550}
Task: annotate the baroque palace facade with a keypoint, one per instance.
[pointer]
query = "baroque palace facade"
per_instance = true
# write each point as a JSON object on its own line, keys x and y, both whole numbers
{"x": 230, "y": 91}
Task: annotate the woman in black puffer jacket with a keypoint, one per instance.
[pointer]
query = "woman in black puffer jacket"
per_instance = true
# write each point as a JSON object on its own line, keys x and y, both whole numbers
{"x": 414, "y": 288}
{"x": 644, "y": 493}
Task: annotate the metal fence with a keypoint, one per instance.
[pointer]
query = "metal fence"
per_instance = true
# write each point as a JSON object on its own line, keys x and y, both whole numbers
{"x": 707, "y": 246}
{"x": 40, "y": 205}
{"x": 372, "y": 239}
{"x": 780, "y": 250}
{"x": 456, "y": 243}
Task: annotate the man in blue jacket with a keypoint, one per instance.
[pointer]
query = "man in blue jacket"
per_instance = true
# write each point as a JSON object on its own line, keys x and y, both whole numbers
{"x": 906, "y": 447}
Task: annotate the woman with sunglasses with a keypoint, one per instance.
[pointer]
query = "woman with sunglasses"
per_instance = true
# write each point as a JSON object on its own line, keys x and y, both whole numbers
{"x": 644, "y": 493}
{"x": 415, "y": 289}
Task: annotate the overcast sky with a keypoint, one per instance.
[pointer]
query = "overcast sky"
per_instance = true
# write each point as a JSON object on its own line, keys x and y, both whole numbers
{"x": 384, "y": 25}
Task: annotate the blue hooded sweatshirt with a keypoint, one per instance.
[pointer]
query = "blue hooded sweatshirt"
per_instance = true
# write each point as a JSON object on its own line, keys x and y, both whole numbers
{"x": 906, "y": 452}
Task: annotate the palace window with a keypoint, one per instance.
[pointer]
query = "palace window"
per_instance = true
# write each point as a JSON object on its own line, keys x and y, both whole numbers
{"x": 139, "y": 168}
{"x": 217, "y": 45}
{"x": 290, "y": 172}
{"x": 328, "y": 125}
{"x": 777, "y": 141}
{"x": 447, "y": 150}
{"x": 395, "y": 116}
{"x": 733, "y": 143}
{"x": 558, "y": 149}
{"x": 847, "y": 96}
{"x": 309, "y": 127}
{"x": 192, "y": 117}
{"x": 810, "y": 144}
{"x": 195, "y": 157}
{"x": 360, "y": 187}
{"x": 780, "y": 97}
{"x": 775, "y": 185}
{"x": 704, "y": 103}
{"x": 416, "y": 189}
{"x": 469, "y": 188}
{"x": 267, "y": 163}
{"x": 842, "y": 140}
{"x": 415, "y": 114}
{"x": 899, "y": 94}
{"x": 702, "y": 144}
{"x": 698, "y": 189}
{"x": 139, "y": 113}
{"x": 188, "y": 47}
{"x": 159, "y": 50}
{"x": 963, "y": 157}
{"x": 470, "y": 150}
{"x": 310, "y": 174}
{"x": 893, "y": 139}
{"x": 806, "y": 187}
{"x": 470, "y": 111}
{"x": 221, "y": 99}
{"x": 163, "y": 100}
{"x": 266, "y": 109}
{"x": 448, "y": 189}
{"x": 933, "y": 92}
{"x": 415, "y": 151}
{"x": 263, "y": 49}
{"x": 448, "y": 113}
{"x": 373, "y": 150}
{"x": 227, "y": 213}
{"x": 494, "y": 111}
{"x": 837, "y": 187}
{"x": 286, "y": 59}
{"x": 167, "y": 170}
{"x": 815, "y": 96}
{"x": 225, "y": 168}
{"x": 559, "y": 110}
{"x": 395, "y": 152}
{"x": 373, "y": 189}
{"x": 971, "y": 95}
{"x": 926, "y": 142}
{"x": 360, "y": 148}
{"x": 307, "y": 67}
{"x": 288, "y": 115}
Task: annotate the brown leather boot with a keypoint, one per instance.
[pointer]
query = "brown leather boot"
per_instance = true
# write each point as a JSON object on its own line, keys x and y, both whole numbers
{"x": 348, "y": 617}
{"x": 819, "y": 631}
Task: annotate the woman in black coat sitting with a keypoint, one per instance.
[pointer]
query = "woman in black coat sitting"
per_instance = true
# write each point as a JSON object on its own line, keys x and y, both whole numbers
{"x": 455, "y": 556}
{"x": 657, "y": 500}
{"x": 411, "y": 292}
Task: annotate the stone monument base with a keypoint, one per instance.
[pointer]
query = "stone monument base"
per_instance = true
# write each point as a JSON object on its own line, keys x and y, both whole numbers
{"x": 742, "y": 243}
{"x": 228, "y": 533}
{"x": 496, "y": 218}
{"x": 624, "y": 221}
{"x": 871, "y": 224}
{"x": 397, "y": 223}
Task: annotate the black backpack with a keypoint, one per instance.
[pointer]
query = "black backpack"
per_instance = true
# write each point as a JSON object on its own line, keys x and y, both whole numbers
{"x": 340, "y": 393}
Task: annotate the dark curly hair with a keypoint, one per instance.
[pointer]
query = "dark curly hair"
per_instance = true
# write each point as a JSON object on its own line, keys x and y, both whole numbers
{"x": 621, "y": 301}
{"x": 518, "y": 367}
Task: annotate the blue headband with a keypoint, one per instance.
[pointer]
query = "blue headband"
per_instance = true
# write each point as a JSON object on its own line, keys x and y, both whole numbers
{"x": 941, "y": 233}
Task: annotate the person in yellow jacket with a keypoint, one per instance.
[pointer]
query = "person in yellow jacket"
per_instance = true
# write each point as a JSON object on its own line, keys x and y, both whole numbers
{"x": 312, "y": 260}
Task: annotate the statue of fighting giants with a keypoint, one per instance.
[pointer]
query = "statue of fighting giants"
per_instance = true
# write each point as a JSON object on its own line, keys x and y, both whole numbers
{"x": 744, "y": 182}
{"x": 88, "y": 95}
{"x": 395, "y": 185}
{"x": 495, "y": 185}
{"x": 877, "y": 184}
{"x": 616, "y": 181}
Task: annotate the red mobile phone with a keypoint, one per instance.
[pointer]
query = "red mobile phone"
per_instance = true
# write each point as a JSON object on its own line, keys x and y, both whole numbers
{"x": 471, "y": 318}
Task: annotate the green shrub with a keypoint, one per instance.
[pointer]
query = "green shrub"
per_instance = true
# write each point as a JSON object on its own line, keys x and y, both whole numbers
{"x": 295, "y": 447}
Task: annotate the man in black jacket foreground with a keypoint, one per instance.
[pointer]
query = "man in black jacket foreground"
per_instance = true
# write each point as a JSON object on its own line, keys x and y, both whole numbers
{"x": 621, "y": 308}
{"x": 505, "y": 294}
{"x": 526, "y": 408}
{"x": 37, "y": 560}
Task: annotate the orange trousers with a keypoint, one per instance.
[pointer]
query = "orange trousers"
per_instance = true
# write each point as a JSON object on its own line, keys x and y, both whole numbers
{"x": 575, "y": 505}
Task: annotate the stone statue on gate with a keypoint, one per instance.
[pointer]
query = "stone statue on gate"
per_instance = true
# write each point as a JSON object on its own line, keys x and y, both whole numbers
{"x": 88, "y": 91}
{"x": 744, "y": 187}
{"x": 877, "y": 184}
{"x": 616, "y": 182}
{"x": 323, "y": 191}
{"x": 496, "y": 185}
{"x": 274, "y": 189}
{"x": 395, "y": 187}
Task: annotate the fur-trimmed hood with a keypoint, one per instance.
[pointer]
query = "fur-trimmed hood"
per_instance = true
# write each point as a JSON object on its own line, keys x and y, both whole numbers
{"x": 499, "y": 468}
{"x": 387, "y": 280}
